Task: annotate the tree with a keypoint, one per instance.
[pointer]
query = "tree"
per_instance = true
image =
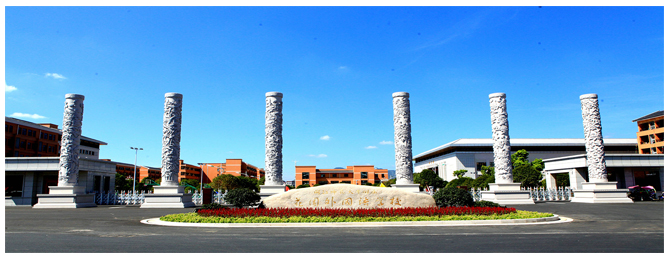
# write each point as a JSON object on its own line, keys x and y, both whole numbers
{"x": 519, "y": 158}
{"x": 460, "y": 173}
{"x": 192, "y": 182}
{"x": 488, "y": 171}
{"x": 389, "y": 182}
{"x": 526, "y": 175}
{"x": 225, "y": 182}
{"x": 463, "y": 181}
{"x": 121, "y": 183}
{"x": 247, "y": 182}
{"x": 428, "y": 177}
{"x": 562, "y": 179}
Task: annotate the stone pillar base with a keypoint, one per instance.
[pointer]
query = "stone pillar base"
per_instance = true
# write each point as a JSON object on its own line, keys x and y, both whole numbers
{"x": 168, "y": 197}
{"x": 507, "y": 194}
{"x": 269, "y": 190}
{"x": 65, "y": 197}
{"x": 412, "y": 188}
{"x": 601, "y": 192}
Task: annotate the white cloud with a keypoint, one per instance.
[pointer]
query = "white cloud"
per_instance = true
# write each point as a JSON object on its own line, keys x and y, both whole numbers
{"x": 371, "y": 147}
{"x": 22, "y": 115}
{"x": 325, "y": 137}
{"x": 9, "y": 88}
{"x": 385, "y": 142}
{"x": 318, "y": 156}
{"x": 54, "y": 75}
{"x": 343, "y": 67}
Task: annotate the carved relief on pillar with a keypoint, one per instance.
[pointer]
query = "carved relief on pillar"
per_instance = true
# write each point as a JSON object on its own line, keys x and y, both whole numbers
{"x": 171, "y": 139}
{"x": 273, "y": 138}
{"x": 501, "y": 142}
{"x": 403, "y": 138}
{"x": 68, "y": 172}
{"x": 593, "y": 138}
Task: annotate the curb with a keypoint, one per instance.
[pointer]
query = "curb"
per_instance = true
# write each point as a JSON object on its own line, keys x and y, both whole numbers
{"x": 537, "y": 221}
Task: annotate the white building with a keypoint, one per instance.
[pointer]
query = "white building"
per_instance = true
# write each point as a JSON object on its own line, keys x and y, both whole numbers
{"x": 472, "y": 154}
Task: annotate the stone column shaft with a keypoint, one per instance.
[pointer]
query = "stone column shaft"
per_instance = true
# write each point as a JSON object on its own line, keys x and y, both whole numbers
{"x": 171, "y": 139}
{"x": 593, "y": 138}
{"x": 68, "y": 172}
{"x": 403, "y": 139}
{"x": 273, "y": 138}
{"x": 501, "y": 143}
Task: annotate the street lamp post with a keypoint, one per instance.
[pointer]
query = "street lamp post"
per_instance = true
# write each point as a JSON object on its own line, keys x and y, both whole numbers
{"x": 135, "y": 167}
{"x": 201, "y": 171}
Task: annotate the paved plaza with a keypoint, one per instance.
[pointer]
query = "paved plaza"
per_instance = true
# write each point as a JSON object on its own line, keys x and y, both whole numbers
{"x": 618, "y": 228}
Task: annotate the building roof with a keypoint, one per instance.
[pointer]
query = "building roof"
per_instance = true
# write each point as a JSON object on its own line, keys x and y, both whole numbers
{"x": 44, "y": 128}
{"x": 650, "y": 116}
{"x": 518, "y": 142}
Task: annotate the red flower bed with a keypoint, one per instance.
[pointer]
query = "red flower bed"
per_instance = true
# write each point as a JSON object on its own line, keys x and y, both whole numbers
{"x": 382, "y": 212}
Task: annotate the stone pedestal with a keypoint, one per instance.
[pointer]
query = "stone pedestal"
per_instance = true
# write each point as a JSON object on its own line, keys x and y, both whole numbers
{"x": 412, "y": 188}
{"x": 269, "y": 190}
{"x": 168, "y": 197}
{"x": 65, "y": 197}
{"x": 601, "y": 192}
{"x": 507, "y": 194}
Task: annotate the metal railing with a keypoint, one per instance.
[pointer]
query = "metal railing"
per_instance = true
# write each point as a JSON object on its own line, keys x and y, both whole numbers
{"x": 120, "y": 198}
{"x": 537, "y": 193}
{"x": 137, "y": 198}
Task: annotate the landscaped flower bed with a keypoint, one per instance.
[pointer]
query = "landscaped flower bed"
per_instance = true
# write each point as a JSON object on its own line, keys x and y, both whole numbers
{"x": 308, "y": 215}
{"x": 358, "y": 213}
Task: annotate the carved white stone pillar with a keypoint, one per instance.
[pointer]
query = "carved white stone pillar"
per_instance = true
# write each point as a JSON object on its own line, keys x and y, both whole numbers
{"x": 170, "y": 194}
{"x": 273, "y": 145}
{"x": 273, "y": 138}
{"x": 68, "y": 193}
{"x": 598, "y": 189}
{"x": 501, "y": 143}
{"x": 403, "y": 143}
{"x": 171, "y": 139}
{"x": 68, "y": 172}
{"x": 504, "y": 191}
{"x": 593, "y": 137}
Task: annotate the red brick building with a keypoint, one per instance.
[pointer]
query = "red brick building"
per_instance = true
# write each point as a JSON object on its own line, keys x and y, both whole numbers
{"x": 358, "y": 175}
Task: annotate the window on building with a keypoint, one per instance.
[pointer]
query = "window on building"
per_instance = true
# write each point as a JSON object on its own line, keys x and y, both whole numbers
{"x": 323, "y": 175}
{"x": 334, "y": 182}
{"x": 334, "y": 175}
{"x": 653, "y": 150}
{"x": 480, "y": 165}
{"x": 323, "y": 182}
{"x": 364, "y": 174}
{"x": 346, "y": 182}
{"x": 305, "y": 175}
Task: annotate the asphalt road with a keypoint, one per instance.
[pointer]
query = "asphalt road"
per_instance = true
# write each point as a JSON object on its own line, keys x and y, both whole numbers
{"x": 617, "y": 228}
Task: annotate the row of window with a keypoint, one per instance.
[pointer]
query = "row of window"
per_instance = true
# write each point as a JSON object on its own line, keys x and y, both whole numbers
{"x": 364, "y": 175}
{"x": 23, "y": 144}
{"x": 190, "y": 168}
{"x": 87, "y": 152}
{"x": 188, "y": 174}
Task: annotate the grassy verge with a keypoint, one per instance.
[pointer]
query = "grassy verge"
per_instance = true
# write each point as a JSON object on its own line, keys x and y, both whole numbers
{"x": 195, "y": 218}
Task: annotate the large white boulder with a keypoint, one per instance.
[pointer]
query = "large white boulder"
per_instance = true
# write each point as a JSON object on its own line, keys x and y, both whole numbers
{"x": 348, "y": 196}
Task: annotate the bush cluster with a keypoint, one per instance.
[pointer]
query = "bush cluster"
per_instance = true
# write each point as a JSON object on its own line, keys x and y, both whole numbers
{"x": 241, "y": 197}
{"x": 453, "y": 197}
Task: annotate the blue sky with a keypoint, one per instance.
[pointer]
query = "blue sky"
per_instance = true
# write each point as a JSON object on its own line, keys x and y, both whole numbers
{"x": 337, "y": 68}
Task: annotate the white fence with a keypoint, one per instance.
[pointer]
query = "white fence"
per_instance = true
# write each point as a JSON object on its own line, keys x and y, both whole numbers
{"x": 137, "y": 198}
{"x": 538, "y": 194}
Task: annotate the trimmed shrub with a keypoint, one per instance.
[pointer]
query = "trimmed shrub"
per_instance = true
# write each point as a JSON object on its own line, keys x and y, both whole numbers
{"x": 463, "y": 181}
{"x": 213, "y": 206}
{"x": 455, "y": 197}
{"x": 486, "y": 204}
{"x": 241, "y": 197}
